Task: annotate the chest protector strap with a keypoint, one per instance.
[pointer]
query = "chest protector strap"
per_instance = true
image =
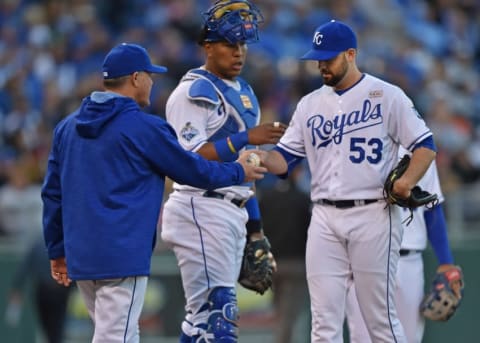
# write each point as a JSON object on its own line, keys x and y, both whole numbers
{"x": 244, "y": 101}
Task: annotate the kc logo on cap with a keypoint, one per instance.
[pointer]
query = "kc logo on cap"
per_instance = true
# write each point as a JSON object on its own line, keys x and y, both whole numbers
{"x": 329, "y": 40}
{"x": 317, "y": 38}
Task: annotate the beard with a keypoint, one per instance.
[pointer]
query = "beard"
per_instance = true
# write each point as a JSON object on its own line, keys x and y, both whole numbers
{"x": 333, "y": 79}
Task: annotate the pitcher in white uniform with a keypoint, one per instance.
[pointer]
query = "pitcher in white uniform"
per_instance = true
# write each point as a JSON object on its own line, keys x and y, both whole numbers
{"x": 350, "y": 130}
{"x": 216, "y": 114}
{"x": 427, "y": 224}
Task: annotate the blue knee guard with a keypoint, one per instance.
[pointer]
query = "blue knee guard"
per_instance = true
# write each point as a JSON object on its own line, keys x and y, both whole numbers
{"x": 185, "y": 338}
{"x": 223, "y": 316}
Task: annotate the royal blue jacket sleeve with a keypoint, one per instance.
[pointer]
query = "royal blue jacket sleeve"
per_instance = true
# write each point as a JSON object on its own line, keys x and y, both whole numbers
{"x": 185, "y": 167}
{"x": 52, "y": 209}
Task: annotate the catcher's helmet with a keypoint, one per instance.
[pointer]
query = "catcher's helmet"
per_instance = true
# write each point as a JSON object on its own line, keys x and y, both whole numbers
{"x": 231, "y": 20}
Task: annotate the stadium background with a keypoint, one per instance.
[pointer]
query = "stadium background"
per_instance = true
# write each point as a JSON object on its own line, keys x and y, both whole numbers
{"x": 50, "y": 56}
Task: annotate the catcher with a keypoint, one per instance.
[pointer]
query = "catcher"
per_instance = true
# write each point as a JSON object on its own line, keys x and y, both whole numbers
{"x": 215, "y": 114}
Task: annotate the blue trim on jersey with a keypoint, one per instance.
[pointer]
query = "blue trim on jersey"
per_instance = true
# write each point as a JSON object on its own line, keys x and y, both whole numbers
{"x": 437, "y": 234}
{"x": 287, "y": 148}
{"x": 426, "y": 143}
{"x": 202, "y": 89}
{"x": 201, "y": 242}
{"x": 342, "y": 91}
{"x": 292, "y": 160}
{"x": 419, "y": 140}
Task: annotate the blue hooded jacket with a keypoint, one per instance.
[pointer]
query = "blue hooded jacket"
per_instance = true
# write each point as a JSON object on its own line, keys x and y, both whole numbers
{"x": 104, "y": 186}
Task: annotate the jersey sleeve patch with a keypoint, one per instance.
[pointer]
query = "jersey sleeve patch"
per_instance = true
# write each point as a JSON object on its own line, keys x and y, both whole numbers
{"x": 203, "y": 90}
{"x": 188, "y": 132}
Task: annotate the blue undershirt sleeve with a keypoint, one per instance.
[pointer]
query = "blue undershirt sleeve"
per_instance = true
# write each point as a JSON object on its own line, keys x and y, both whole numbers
{"x": 254, "y": 223}
{"x": 437, "y": 234}
{"x": 292, "y": 161}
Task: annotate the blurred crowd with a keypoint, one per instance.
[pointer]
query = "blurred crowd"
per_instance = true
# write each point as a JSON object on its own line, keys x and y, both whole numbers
{"x": 51, "y": 53}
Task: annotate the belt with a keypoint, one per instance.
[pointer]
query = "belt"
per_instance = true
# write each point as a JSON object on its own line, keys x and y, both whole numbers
{"x": 237, "y": 202}
{"x": 406, "y": 252}
{"x": 345, "y": 203}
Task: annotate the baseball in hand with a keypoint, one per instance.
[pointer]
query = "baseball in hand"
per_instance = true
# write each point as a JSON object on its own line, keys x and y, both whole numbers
{"x": 254, "y": 159}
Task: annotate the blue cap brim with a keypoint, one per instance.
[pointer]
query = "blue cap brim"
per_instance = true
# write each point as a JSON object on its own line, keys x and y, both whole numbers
{"x": 157, "y": 69}
{"x": 320, "y": 55}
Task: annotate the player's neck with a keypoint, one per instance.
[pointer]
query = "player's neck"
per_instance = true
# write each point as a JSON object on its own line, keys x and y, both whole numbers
{"x": 350, "y": 79}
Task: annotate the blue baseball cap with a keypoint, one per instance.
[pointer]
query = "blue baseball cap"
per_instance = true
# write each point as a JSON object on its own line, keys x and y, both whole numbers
{"x": 126, "y": 59}
{"x": 329, "y": 40}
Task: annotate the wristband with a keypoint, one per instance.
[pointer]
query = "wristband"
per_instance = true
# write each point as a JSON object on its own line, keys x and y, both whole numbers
{"x": 238, "y": 140}
{"x": 227, "y": 148}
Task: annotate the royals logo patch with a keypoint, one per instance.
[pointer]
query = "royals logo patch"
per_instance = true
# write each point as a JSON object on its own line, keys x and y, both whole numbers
{"x": 247, "y": 103}
{"x": 188, "y": 132}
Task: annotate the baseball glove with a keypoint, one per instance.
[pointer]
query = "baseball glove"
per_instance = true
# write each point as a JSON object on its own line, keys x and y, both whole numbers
{"x": 418, "y": 197}
{"x": 445, "y": 295}
{"x": 257, "y": 269}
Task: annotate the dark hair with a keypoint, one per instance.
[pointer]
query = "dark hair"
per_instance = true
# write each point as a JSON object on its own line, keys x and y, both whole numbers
{"x": 202, "y": 36}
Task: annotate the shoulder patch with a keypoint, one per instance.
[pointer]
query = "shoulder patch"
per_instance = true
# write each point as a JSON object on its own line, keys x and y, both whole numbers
{"x": 188, "y": 132}
{"x": 202, "y": 89}
{"x": 375, "y": 94}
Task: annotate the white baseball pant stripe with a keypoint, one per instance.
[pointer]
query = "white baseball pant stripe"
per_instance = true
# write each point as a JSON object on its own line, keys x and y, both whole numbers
{"x": 363, "y": 241}
{"x": 209, "y": 249}
{"x": 114, "y": 306}
{"x": 408, "y": 295}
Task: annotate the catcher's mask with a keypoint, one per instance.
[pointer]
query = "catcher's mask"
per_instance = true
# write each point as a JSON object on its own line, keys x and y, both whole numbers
{"x": 232, "y": 21}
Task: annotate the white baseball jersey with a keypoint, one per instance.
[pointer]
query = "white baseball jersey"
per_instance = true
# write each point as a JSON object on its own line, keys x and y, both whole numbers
{"x": 351, "y": 143}
{"x": 198, "y": 116}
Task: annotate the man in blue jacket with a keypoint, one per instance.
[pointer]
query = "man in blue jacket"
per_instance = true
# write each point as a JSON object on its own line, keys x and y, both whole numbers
{"x": 105, "y": 176}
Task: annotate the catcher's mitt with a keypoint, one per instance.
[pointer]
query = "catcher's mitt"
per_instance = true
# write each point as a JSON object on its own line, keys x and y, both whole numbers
{"x": 445, "y": 295}
{"x": 418, "y": 197}
{"x": 257, "y": 268}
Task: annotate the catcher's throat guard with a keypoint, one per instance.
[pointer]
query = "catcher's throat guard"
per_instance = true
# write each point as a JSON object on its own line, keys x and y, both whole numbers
{"x": 232, "y": 20}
